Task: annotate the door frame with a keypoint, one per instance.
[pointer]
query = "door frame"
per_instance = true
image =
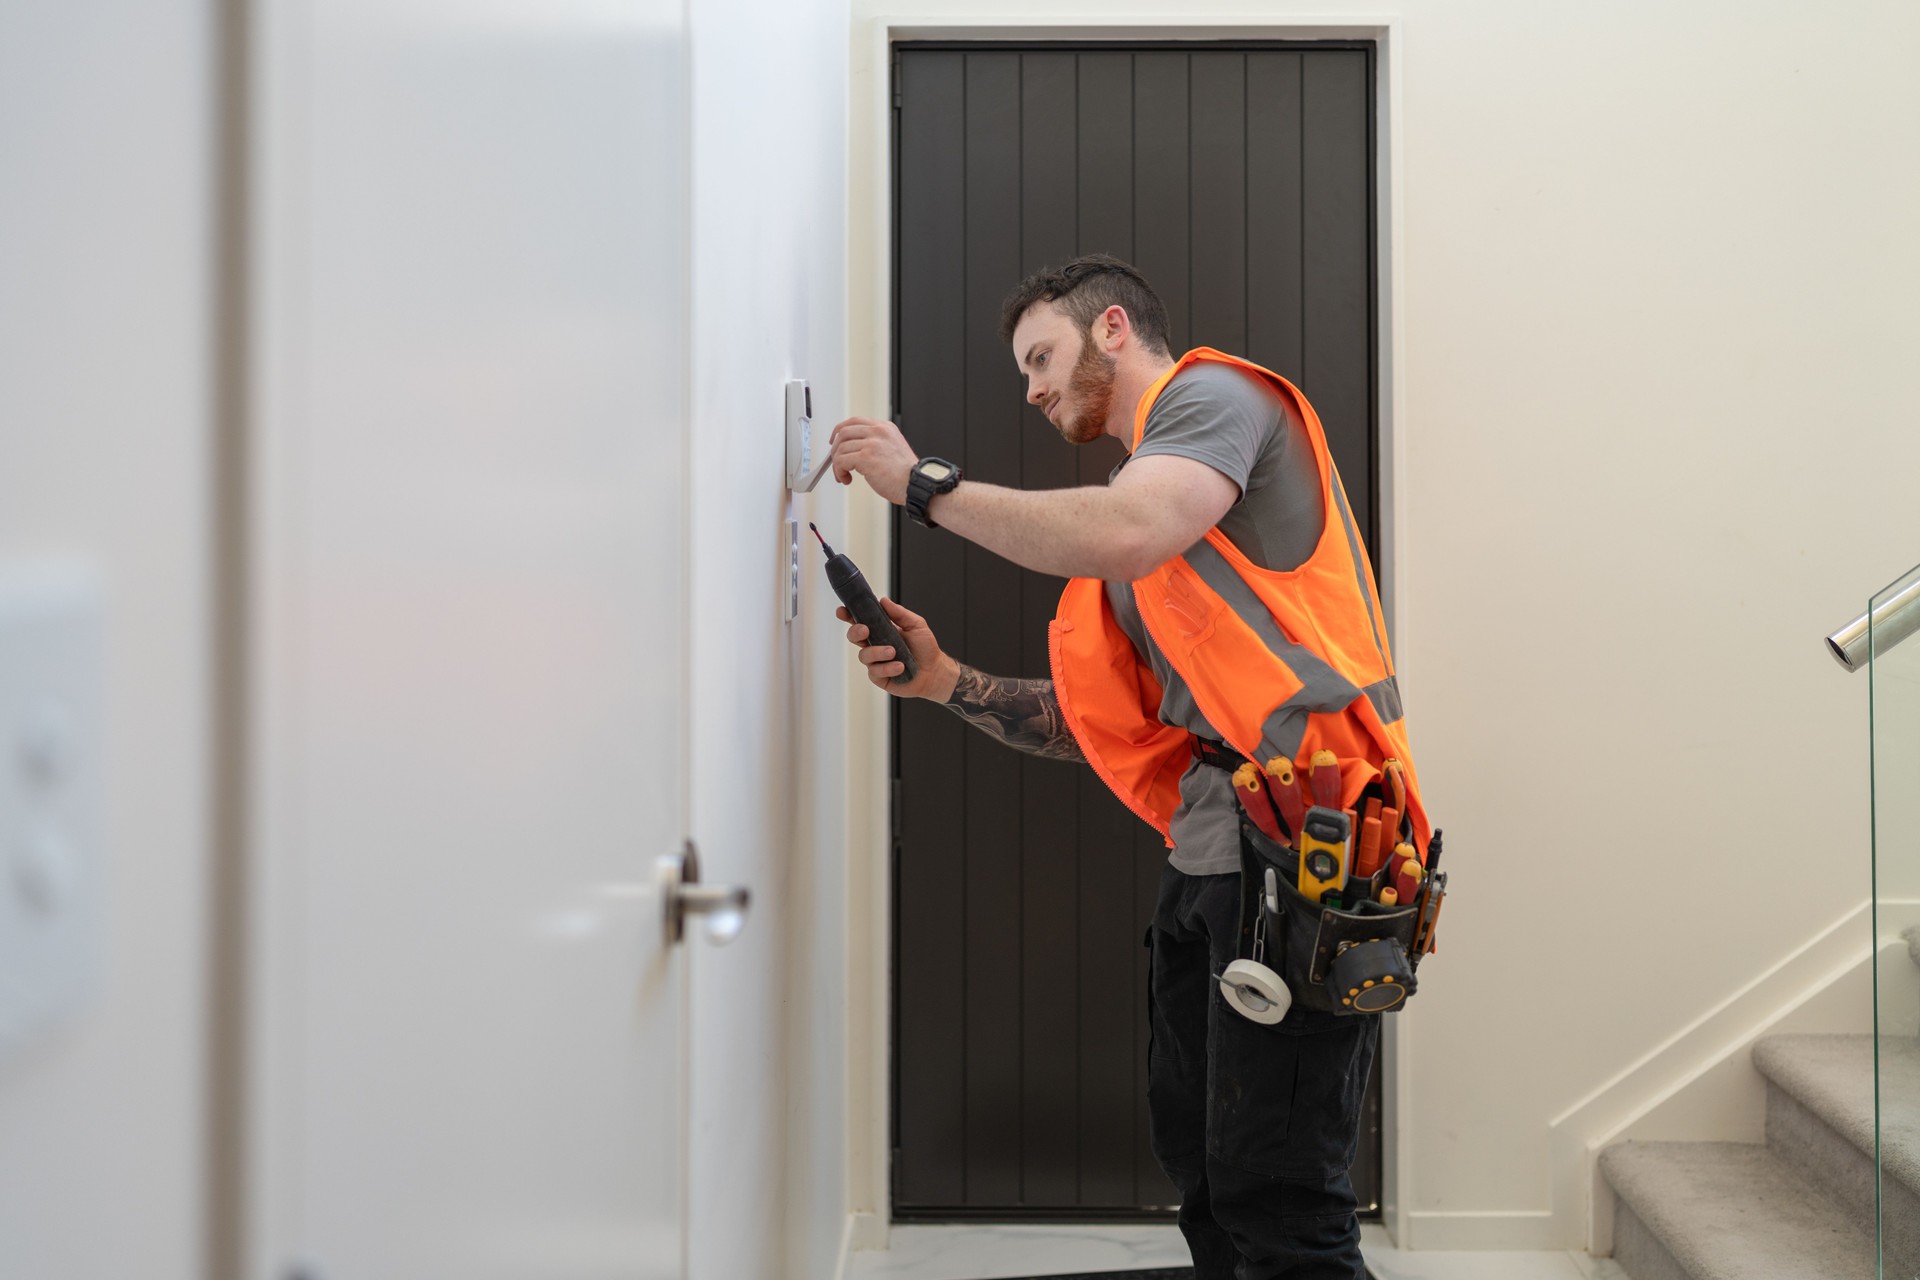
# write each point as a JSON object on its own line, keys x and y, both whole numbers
{"x": 870, "y": 361}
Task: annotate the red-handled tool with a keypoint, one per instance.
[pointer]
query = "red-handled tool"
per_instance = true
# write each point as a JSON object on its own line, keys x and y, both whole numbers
{"x": 1326, "y": 780}
{"x": 1286, "y": 791}
{"x": 1255, "y": 798}
{"x": 1407, "y": 872}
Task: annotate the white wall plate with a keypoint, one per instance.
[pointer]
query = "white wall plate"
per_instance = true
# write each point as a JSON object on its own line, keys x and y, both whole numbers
{"x": 51, "y": 684}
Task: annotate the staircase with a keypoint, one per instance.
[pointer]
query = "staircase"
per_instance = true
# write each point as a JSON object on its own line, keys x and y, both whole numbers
{"x": 1801, "y": 1205}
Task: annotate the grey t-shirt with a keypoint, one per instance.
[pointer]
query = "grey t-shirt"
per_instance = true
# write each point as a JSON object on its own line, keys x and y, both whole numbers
{"x": 1238, "y": 425}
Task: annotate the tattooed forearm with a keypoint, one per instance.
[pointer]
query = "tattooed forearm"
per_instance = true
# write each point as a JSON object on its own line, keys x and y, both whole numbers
{"x": 1024, "y": 714}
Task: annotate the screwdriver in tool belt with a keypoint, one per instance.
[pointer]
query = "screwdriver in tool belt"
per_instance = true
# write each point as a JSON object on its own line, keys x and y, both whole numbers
{"x": 1407, "y": 872}
{"x": 1285, "y": 788}
{"x": 1326, "y": 780}
{"x": 1255, "y": 800}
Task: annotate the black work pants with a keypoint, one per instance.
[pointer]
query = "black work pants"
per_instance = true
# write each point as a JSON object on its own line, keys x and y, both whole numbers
{"x": 1256, "y": 1125}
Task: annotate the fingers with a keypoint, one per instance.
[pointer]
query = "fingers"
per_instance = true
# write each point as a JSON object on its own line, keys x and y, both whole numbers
{"x": 846, "y": 445}
{"x": 902, "y": 616}
{"x": 882, "y": 661}
{"x": 846, "y": 462}
{"x": 881, "y": 665}
{"x": 854, "y": 428}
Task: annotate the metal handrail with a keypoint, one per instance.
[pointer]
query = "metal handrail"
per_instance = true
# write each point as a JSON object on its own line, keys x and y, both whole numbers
{"x": 1896, "y": 618}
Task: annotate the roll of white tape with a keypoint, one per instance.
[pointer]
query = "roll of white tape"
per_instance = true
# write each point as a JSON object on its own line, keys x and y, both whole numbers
{"x": 1255, "y": 992}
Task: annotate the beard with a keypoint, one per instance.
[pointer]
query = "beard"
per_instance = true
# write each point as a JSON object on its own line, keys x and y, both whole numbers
{"x": 1090, "y": 393}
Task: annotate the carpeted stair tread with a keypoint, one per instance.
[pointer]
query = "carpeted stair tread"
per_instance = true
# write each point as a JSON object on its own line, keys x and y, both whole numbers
{"x": 1832, "y": 1076}
{"x": 1734, "y": 1211}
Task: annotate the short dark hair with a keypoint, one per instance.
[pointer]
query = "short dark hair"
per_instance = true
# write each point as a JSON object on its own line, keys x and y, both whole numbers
{"x": 1086, "y": 287}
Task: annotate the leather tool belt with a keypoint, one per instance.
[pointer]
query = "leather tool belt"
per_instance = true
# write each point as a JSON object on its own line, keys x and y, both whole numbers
{"x": 1359, "y": 958}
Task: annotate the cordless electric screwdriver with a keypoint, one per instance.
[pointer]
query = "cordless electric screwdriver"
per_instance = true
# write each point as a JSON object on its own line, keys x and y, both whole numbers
{"x": 851, "y": 586}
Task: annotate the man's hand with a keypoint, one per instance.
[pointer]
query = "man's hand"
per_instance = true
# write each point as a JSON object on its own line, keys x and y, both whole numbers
{"x": 875, "y": 450}
{"x": 937, "y": 672}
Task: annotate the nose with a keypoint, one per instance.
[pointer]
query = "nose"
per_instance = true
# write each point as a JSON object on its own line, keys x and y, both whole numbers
{"x": 1035, "y": 393}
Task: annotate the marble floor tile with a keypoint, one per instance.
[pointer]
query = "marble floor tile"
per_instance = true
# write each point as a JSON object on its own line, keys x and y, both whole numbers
{"x": 1389, "y": 1263}
{"x": 1600, "y": 1268}
{"x": 993, "y": 1252}
{"x": 996, "y": 1252}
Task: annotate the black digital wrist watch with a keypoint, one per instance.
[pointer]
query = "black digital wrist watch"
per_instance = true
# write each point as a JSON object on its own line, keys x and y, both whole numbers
{"x": 929, "y": 478}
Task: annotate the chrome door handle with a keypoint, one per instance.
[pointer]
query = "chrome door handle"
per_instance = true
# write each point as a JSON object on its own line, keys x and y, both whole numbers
{"x": 722, "y": 907}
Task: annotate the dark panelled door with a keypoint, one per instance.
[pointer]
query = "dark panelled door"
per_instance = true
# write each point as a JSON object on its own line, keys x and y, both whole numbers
{"x": 1239, "y": 180}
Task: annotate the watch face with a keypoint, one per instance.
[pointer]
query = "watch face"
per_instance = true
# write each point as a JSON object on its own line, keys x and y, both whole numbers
{"x": 935, "y": 471}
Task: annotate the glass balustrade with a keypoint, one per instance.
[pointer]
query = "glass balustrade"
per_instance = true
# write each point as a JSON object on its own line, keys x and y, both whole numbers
{"x": 1894, "y": 699}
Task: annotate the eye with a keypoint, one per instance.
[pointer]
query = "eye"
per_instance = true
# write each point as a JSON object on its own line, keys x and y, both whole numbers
{"x": 1040, "y": 361}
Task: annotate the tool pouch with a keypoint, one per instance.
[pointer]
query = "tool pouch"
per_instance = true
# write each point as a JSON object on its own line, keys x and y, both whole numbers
{"x": 1335, "y": 961}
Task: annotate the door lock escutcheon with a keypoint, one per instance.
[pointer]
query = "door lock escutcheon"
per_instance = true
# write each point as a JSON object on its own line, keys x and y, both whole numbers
{"x": 723, "y": 907}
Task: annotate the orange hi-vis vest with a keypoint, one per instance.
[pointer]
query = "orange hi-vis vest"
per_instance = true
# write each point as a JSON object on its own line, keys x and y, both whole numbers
{"x": 1281, "y": 663}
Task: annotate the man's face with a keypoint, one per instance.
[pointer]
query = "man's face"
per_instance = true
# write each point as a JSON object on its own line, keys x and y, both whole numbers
{"x": 1069, "y": 377}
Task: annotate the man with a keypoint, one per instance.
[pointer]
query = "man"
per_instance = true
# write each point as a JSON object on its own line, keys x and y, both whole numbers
{"x": 1221, "y": 612}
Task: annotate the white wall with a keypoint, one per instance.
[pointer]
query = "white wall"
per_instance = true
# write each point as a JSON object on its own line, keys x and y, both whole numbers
{"x": 768, "y": 1189}
{"x": 105, "y": 204}
{"x": 1650, "y": 269}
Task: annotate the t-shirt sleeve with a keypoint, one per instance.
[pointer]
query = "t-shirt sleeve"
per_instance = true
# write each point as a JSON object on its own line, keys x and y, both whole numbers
{"x": 1215, "y": 415}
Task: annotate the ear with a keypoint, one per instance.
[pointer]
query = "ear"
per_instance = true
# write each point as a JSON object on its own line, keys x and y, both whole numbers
{"x": 1113, "y": 327}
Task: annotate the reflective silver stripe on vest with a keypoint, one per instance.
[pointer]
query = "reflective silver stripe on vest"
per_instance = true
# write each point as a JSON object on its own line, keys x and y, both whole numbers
{"x": 1321, "y": 687}
{"x": 1385, "y": 697}
{"x": 1359, "y": 573}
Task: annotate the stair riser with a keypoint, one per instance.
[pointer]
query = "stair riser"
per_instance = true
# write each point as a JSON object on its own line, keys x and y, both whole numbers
{"x": 1844, "y": 1173}
{"x": 1638, "y": 1251}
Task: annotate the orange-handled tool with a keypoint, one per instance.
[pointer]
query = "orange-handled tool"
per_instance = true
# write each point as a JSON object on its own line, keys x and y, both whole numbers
{"x": 1367, "y": 861}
